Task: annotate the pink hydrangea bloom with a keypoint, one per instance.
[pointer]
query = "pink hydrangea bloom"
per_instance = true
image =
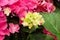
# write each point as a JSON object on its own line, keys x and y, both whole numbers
{"x": 14, "y": 28}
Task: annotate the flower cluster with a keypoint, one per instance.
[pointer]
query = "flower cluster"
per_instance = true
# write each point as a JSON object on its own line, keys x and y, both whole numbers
{"x": 23, "y": 9}
{"x": 32, "y": 20}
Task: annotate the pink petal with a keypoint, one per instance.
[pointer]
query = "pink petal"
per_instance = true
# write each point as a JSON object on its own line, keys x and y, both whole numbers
{"x": 12, "y": 2}
{"x": 3, "y": 2}
{"x": 2, "y": 37}
{"x": 13, "y": 27}
{"x": 3, "y": 21}
{"x": 0, "y": 8}
{"x": 3, "y": 26}
{"x": 4, "y": 32}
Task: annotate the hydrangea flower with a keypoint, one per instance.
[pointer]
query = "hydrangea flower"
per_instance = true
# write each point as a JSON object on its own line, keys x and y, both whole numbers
{"x": 32, "y": 19}
{"x": 14, "y": 28}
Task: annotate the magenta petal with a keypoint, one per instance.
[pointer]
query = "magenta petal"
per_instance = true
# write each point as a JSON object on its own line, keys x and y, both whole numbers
{"x": 2, "y": 14}
{"x": 3, "y": 21}
{"x": 1, "y": 32}
{"x": 3, "y": 26}
{"x": 2, "y": 37}
{"x": 22, "y": 14}
{"x": 5, "y": 32}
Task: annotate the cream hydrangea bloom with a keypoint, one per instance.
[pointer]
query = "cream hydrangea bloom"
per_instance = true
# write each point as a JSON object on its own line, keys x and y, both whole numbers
{"x": 32, "y": 20}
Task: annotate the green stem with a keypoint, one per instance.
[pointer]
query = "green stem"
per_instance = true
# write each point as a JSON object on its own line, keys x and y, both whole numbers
{"x": 16, "y": 37}
{"x": 28, "y": 37}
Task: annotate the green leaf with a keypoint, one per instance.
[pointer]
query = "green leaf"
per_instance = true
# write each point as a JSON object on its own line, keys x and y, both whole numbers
{"x": 58, "y": 36}
{"x": 39, "y": 36}
{"x": 26, "y": 29}
{"x": 48, "y": 37}
{"x": 52, "y": 22}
